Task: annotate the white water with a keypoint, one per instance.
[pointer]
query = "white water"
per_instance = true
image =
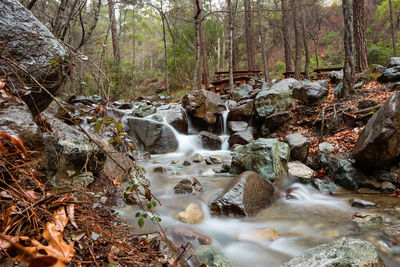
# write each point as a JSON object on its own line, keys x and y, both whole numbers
{"x": 225, "y": 137}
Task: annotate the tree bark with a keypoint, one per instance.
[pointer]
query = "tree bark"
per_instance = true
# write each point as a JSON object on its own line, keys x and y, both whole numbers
{"x": 133, "y": 47}
{"x": 203, "y": 49}
{"x": 231, "y": 23}
{"x": 359, "y": 35}
{"x": 297, "y": 62}
{"x": 348, "y": 71}
{"x": 306, "y": 48}
{"x": 165, "y": 48}
{"x": 197, "y": 18}
{"x": 263, "y": 41}
{"x": 285, "y": 33}
{"x": 249, "y": 35}
{"x": 392, "y": 29}
{"x": 114, "y": 34}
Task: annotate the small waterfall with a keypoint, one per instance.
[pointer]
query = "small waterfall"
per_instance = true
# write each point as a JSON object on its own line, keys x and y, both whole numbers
{"x": 224, "y": 137}
{"x": 191, "y": 129}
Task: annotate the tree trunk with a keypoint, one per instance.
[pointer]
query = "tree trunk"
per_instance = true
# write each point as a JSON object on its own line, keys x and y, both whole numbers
{"x": 392, "y": 29}
{"x": 114, "y": 34}
{"x": 359, "y": 35}
{"x": 306, "y": 48}
{"x": 263, "y": 41}
{"x": 197, "y": 18}
{"x": 249, "y": 35}
{"x": 348, "y": 71}
{"x": 203, "y": 49}
{"x": 297, "y": 62}
{"x": 133, "y": 47}
{"x": 231, "y": 23}
{"x": 316, "y": 51}
{"x": 165, "y": 49}
{"x": 286, "y": 39}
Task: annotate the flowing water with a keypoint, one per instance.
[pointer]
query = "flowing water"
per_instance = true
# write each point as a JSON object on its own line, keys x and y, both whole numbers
{"x": 303, "y": 217}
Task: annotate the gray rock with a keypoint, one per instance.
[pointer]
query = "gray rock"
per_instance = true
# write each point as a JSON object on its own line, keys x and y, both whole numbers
{"x": 156, "y": 137}
{"x": 378, "y": 144}
{"x": 86, "y": 100}
{"x": 388, "y": 187}
{"x": 241, "y": 91}
{"x": 323, "y": 83}
{"x": 204, "y": 105}
{"x": 188, "y": 186}
{"x": 326, "y": 187}
{"x": 197, "y": 158}
{"x": 300, "y": 171}
{"x": 267, "y": 157}
{"x": 244, "y": 196}
{"x": 361, "y": 203}
{"x": 358, "y": 85}
{"x": 338, "y": 89}
{"x": 213, "y": 160}
{"x": 241, "y": 138}
{"x": 210, "y": 141}
{"x": 344, "y": 252}
{"x": 309, "y": 93}
{"x": 365, "y": 219}
{"x": 276, "y": 120}
{"x": 390, "y": 75}
{"x": 212, "y": 257}
{"x": 335, "y": 76}
{"x": 177, "y": 119}
{"x": 242, "y": 111}
{"x": 83, "y": 179}
{"x": 299, "y": 146}
{"x": 29, "y": 43}
{"x": 325, "y": 148}
{"x": 393, "y": 62}
{"x": 144, "y": 109}
{"x": 237, "y": 126}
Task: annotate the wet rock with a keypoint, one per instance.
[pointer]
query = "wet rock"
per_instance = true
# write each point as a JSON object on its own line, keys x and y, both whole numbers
{"x": 160, "y": 169}
{"x": 335, "y": 76}
{"x": 204, "y": 105}
{"x": 123, "y": 105}
{"x": 385, "y": 176}
{"x": 186, "y": 163}
{"x": 192, "y": 235}
{"x": 369, "y": 183}
{"x": 29, "y": 43}
{"x": 156, "y": 137}
{"x": 267, "y": 157}
{"x": 276, "y": 120}
{"x": 244, "y": 196}
{"x": 277, "y": 98}
{"x": 86, "y": 100}
{"x": 361, "y": 203}
{"x": 240, "y": 91}
{"x": 326, "y": 187}
{"x": 192, "y": 214}
{"x": 364, "y": 190}
{"x": 16, "y": 119}
{"x": 325, "y": 148}
{"x": 237, "y": 126}
{"x": 242, "y": 111}
{"x": 210, "y": 141}
{"x": 177, "y": 119}
{"x": 213, "y": 160}
{"x": 299, "y": 146}
{"x": 188, "y": 186}
{"x": 364, "y": 219}
{"x": 197, "y": 158}
{"x": 390, "y": 75}
{"x": 83, "y": 179}
{"x": 341, "y": 171}
{"x": 212, "y": 257}
{"x": 300, "y": 171}
{"x": 156, "y": 117}
{"x": 241, "y": 138}
{"x": 345, "y": 252}
{"x": 260, "y": 235}
{"x": 378, "y": 144}
{"x": 144, "y": 109}
{"x": 388, "y": 187}
{"x": 308, "y": 92}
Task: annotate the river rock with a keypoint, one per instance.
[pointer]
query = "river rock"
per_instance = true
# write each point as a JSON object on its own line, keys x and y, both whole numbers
{"x": 388, "y": 187}
{"x": 260, "y": 235}
{"x": 277, "y": 98}
{"x": 241, "y": 138}
{"x": 237, "y": 126}
{"x": 240, "y": 91}
{"x": 361, "y": 203}
{"x": 188, "y": 186}
{"x": 156, "y": 137}
{"x": 325, "y": 148}
{"x": 344, "y": 252}
{"x": 267, "y": 157}
{"x": 366, "y": 219}
{"x": 213, "y": 160}
{"x": 299, "y": 146}
{"x": 29, "y": 43}
{"x": 197, "y": 158}
{"x": 86, "y": 100}
{"x": 212, "y": 257}
{"x": 188, "y": 234}
{"x": 192, "y": 214}
{"x": 325, "y": 186}
{"x": 300, "y": 171}
{"x": 16, "y": 119}
{"x": 242, "y": 111}
{"x": 276, "y": 120}
{"x": 177, "y": 119}
{"x": 204, "y": 105}
{"x": 243, "y": 196}
{"x": 308, "y": 92}
{"x": 378, "y": 145}
{"x": 144, "y": 109}
{"x": 210, "y": 141}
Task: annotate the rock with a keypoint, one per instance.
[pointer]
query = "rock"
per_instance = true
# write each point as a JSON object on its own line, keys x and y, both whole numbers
{"x": 86, "y": 100}
{"x": 242, "y": 111}
{"x": 83, "y": 179}
{"x": 156, "y": 117}
{"x": 341, "y": 171}
{"x": 276, "y": 120}
{"x": 204, "y": 105}
{"x": 325, "y": 148}
{"x": 390, "y": 75}
{"x": 338, "y": 89}
{"x": 326, "y": 187}
{"x": 369, "y": 183}
{"x": 191, "y": 235}
{"x": 344, "y": 252}
{"x": 367, "y": 103}
{"x": 210, "y": 141}
{"x": 276, "y": 99}
{"x": 16, "y": 119}
{"x": 267, "y": 157}
{"x": 378, "y": 145}
{"x": 192, "y": 214}
{"x": 244, "y": 196}
{"x": 197, "y": 158}
{"x": 309, "y": 93}
{"x": 237, "y": 126}
{"x": 186, "y": 163}
{"x": 260, "y": 235}
{"x": 241, "y": 138}
{"x": 361, "y": 203}
{"x": 177, "y": 119}
{"x": 213, "y": 160}
{"x": 299, "y": 146}
{"x": 144, "y": 109}
{"x": 385, "y": 176}
{"x": 188, "y": 186}
{"x": 358, "y": 85}
{"x": 240, "y": 91}
{"x": 160, "y": 169}
{"x": 156, "y": 137}
{"x": 364, "y": 219}
{"x": 393, "y": 62}
{"x": 212, "y": 257}
{"x": 29, "y": 43}
{"x": 335, "y": 76}
{"x": 368, "y": 191}
{"x": 388, "y": 187}
{"x": 300, "y": 171}
{"x": 324, "y": 83}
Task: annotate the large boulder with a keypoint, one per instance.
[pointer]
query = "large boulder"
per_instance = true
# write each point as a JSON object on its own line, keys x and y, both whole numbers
{"x": 299, "y": 146}
{"x": 277, "y": 98}
{"x": 156, "y": 137}
{"x": 237, "y": 126}
{"x": 345, "y": 252}
{"x": 210, "y": 141}
{"x": 25, "y": 40}
{"x": 393, "y": 62}
{"x": 309, "y": 92}
{"x": 204, "y": 105}
{"x": 241, "y": 91}
{"x": 244, "y": 196}
{"x": 241, "y": 138}
{"x": 276, "y": 120}
{"x": 143, "y": 109}
{"x": 267, "y": 157}
{"x": 212, "y": 257}
{"x": 335, "y": 77}
{"x": 390, "y": 75}
{"x": 378, "y": 144}
{"x": 242, "y": 111}
{"x": 177, "y": 119}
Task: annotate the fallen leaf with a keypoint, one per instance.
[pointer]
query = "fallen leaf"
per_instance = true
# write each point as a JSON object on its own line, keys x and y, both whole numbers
{"x": 46, "y": 261}
{"x": 31, "y": 194}
{"x": 71, "y": 214}
{"x": 15, "y": 140}
{"x": 60, "y": 219}
{"x": 5, "y": 194}
{"x": 115, "y": 181}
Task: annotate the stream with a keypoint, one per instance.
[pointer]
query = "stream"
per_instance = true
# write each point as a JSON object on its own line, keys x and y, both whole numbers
{"x": 305, "y": 219}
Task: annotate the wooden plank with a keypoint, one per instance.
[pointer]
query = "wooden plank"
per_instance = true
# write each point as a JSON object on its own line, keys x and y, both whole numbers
{"x": 226, "y": 81}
